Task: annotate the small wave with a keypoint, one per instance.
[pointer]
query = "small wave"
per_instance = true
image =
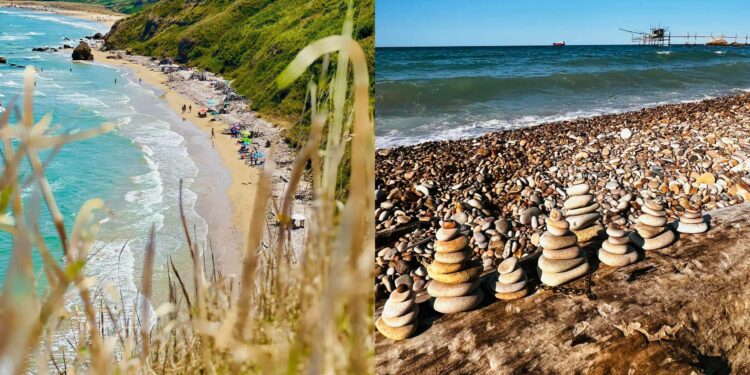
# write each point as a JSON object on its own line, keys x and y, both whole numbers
{"x": 720, "y": 52}
{"x": 663, "y": 52}
{"x": 33, "y": 33}
{"x": 83, "y": 100}
{"x": 60, "y": 20}
{"x": 10, "y": 38}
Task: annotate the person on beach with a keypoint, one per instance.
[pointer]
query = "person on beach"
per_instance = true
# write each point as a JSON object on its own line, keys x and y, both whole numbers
{"x": 184, "y": 108}
{"x": 115, "y": 81}
{"x": 190, "y": 109}
{"x": 212, "y": 133}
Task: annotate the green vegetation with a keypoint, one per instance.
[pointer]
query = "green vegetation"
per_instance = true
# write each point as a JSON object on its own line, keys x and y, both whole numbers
{"x": 122, "y": 6}
{"x": 295, "y": 309}
{"x": 248, "y": 42}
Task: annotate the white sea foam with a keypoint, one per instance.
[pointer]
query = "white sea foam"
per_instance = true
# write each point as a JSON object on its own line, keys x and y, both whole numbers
{"x": 65, "y": 21}
{"x": 10, "y": 38}
{"x": 82, "y": 100}
{"x": 663, "y": 52}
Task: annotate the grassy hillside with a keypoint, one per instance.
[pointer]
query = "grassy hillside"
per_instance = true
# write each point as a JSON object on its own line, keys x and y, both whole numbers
{"x": 247, "y": 41}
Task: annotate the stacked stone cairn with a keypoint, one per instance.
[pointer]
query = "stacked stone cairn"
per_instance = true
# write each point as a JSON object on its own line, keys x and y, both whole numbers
{"x": 562, "y": 260}
{"x": 652, "y": 232}
{"x": 692, "y": 222}
{"x": 616, "y": 250}
{"x": 581, "y": 211}
{"x": 455, "y": 278}
{"x": 511, "y": 280}
{"x": 399, "y": 318}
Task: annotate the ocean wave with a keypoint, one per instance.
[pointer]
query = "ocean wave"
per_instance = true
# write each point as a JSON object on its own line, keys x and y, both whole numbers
{"x": 11, "y": 38}
{"x": 61, "y": 20}
{"x": 663, "y": 52}
{"x": 82, "y": 100}
{"x": 407, "y": 96}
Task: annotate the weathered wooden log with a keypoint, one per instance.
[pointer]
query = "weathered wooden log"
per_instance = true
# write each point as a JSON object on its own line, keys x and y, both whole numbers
{"x": 680, "y": 310}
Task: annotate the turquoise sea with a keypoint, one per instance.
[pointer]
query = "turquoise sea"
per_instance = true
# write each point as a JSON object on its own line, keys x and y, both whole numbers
{"x": 136, "y": 169}
{"x": 436, "y": 93}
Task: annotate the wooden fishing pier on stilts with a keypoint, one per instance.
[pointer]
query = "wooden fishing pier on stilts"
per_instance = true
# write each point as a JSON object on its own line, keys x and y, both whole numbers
{"x": 662, "y": 37}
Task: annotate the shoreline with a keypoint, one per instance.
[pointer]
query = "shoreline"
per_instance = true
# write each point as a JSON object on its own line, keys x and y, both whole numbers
{"x": 87, "y": 12}
{"x": 177, "y": 90}
{"x": 689, "y": 154}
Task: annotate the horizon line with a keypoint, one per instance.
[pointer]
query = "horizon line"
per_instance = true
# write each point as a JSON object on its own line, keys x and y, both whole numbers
{"x": 512, "y": 45}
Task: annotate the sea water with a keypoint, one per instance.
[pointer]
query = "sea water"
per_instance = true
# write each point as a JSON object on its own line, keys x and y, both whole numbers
{"x": 440, "y": 93}
{"x": 135, "y": 169}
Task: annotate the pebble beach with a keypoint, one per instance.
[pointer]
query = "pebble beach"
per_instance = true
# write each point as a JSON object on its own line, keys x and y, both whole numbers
{"x": 503, "y": 186}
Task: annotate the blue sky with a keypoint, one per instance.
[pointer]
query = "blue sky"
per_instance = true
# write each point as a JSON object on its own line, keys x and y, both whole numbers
{"x": 541, "y": 22}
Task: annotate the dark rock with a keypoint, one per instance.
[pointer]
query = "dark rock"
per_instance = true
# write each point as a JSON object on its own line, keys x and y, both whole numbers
{"x": 82, "y": 52}
{"x": 40, "y": 49}
{"x": 98, "y": 36}
{"x": 3, "y": 60}
{"x": 184, "y": 47}
{"x": 67, "y": 46}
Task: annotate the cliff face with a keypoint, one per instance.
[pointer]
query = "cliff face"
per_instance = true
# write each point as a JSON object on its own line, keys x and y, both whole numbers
{"x": 679, "y": 310}
{"x": 247, "y": 41}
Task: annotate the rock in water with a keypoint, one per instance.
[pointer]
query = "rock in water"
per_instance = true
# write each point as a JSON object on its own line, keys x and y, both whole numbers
{"x": 692, "y": 222}
{"x": 399, "y": 318}
{"x": 509, "y": 286}
{"x": 562, "y": 260}
{"x": 616, "y": 251}
{"x": 3, "y": 60}
{"x": 581, "y": 211}
{"x": 455, "y": 278}
{"x": 82, "y": 52}
{"x": 651, "y": 230}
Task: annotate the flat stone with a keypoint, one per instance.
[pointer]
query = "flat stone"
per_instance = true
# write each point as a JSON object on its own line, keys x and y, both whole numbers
{"x": 398, "y": 296}
{"x": 689, "y": 220}
{"x": 566, "y": 253}
{"x": 555, "y": 279}
{"x": 582, "y": 221}
{"x": 548, "y": 241}
{"x": 654, "y": 221}
{"x": 453, "y": 245}
{"x": 707, "y": 178}
{"x": 510, "y": 288}
{"x": 452, "y": 305}
{"x": 590, "y": 233}
{"x": 663, "y": 240}
{"x": 395, "y": 333}
{"x": 693, "y": 215}
{"x": 658, "y": 213}
{"x": 617, "y": 260}
{"x": 441, "y": 267}
{"x": 691, "y": 228}
{"x": 578, "y": 189}
{"x": 439, "y": 289}
{"x": 446, "y": 234}
{"x": 613, "y": 232}
{"x": 402, "y": 320}
{"x": 395, "y": 309}
{"x": 558, "y": 231}
{"x": 562, "y": 223}
{"x": 558, "y": 265}
{"x": 463, "y": 276}
{"x": 578, "y": 201}
{"x": 512, "y": 277}
{"x": 618, "y": 240}
{"x": 653, "y": 205}
{"x": 647, "y": 231}
{"x": 615, "y": 249}
{"x": 508, "y": 265}
{"x": 529, "y": 213}
{"x": 612, "y": 185}
{"x": 583, "y": 210}
{"x": 453, "y": 257}
{"x": 511, "y": 296}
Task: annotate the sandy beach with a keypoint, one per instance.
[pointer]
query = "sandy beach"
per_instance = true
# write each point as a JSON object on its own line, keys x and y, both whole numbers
{"x": 84, "y": 11}
{"x": 178, "y": 91}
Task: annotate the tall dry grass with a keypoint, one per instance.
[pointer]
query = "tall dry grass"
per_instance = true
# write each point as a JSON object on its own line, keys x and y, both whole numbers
{"x": 313, "y": 315}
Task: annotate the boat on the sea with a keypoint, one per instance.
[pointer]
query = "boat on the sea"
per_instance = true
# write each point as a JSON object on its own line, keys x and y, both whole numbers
{"x": 559, "y": 44}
